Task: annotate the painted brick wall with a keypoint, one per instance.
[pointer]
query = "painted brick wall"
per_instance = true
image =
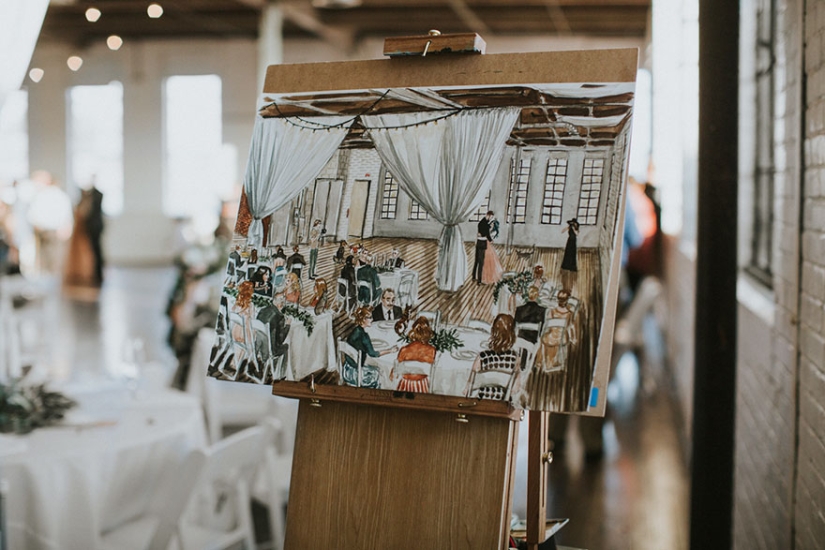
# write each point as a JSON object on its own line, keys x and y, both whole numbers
{"x": 809, "y": 509}
{"x": 360, "y": 164}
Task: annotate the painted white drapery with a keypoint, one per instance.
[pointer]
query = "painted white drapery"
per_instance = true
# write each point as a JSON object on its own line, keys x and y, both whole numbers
{"x": 284, "y": 157}
{"x": 447, "y": 166}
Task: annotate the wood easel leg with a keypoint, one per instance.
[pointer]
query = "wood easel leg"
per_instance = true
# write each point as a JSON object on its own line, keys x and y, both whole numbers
{"x": 537, "y": 460}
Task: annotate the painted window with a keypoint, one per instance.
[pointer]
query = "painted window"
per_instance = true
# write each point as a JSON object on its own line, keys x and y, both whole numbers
{"x": 417, "y": 211}
{"x": 95, "y": 144}
{"x": 482, "y": 209}
{"x": 517, "y": 200}
{"x": 592, "y": 176}
{"x": 553, "y": 200}
{"x": 389, "y": 201}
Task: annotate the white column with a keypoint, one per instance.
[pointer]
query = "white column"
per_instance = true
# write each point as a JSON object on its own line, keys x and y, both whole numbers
{"x": 270, "y": 40}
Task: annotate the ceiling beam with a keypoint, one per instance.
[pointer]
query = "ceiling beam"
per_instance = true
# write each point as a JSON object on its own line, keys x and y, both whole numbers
{"x": 467, "y": 16}
{"x": 303, "y": 16}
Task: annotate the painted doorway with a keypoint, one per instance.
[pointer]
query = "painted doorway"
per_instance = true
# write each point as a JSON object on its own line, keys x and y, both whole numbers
{"x": 358, "y": 208}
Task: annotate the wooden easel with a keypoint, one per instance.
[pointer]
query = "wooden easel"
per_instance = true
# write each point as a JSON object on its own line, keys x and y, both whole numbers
{"x": 375, "y": 469}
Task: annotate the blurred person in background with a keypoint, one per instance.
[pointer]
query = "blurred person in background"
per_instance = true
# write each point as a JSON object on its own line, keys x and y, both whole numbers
{"x": 50, "y": 215}
{"x": 84, "y": 264}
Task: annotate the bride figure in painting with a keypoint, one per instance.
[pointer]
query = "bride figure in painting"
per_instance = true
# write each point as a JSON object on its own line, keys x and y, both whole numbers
{"x": 492, "y": 271}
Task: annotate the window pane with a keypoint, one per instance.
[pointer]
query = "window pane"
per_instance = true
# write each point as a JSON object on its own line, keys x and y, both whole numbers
{"x": 14, "y": 137}
{"x": 96, "y": 141}
{"x": 199, "y": 169}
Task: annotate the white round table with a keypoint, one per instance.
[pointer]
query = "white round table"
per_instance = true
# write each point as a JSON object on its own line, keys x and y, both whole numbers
{"x": 70, "y": 483}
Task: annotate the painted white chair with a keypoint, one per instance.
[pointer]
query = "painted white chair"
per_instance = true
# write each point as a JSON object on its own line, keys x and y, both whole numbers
{"x": 433, "y": 316}
{"x": 527, "y": 352}
{"x": 478, "y": 324}
{"x": 491, "y": 384}
{"x": 535, "y": 328}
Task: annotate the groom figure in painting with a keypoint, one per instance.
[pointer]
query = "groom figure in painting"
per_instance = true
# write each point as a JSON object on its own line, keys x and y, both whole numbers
{"x": 482, "y": 239}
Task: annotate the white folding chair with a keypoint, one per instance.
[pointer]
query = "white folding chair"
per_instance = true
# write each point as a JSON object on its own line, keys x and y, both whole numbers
{"x": 560, "y": 360}
{"x": 433, "y": 316}
{"x": 491, "y": 384}
{"x": 346, "y": 350}
{"x": 535, "y": 328}
{"x": 343, "y": 294}
{"x": 160, "y": 522}
{"x": 478, "y": 324}
{"x": 368, "y": 286}
{"x": 527, "y": 352}
{"x": 226, "y": 479}
{"x": 261, "y": 330}
{"x": 405, "y": 289}
{"x": 272, "y": 482}
{"x": 412, "y": 367}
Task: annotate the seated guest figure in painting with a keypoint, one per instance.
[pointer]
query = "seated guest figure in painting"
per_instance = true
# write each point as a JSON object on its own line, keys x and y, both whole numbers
{"x": 348, "y": 274}
{"x": 340, "y": 253}
{"x": 296, "y": 262}
{"x": 262, "y": 278}
{"x": 418, "y": 350}
{"x": 368, "y": 294}
{"x": 278, "y": 324}
{"x": 530, "y": 312}
{"x": 292, "y": 289}
{"x": 279, "y": 258}
{"x": 235, "y": 262}
{"x": 360, "y": 340}
{"x": 396, "y": 261}
{"x": 387, "y": 310}
{"x": 244, "y": 307}
{"x": 539, "y": 280}
{"x": 554, "y": 338}
{"x": 500, "y": 356}
{"x": 320, "y": 297}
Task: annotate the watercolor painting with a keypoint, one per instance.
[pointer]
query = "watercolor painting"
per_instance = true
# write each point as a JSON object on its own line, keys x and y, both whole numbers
{"x": 448, "y": 240}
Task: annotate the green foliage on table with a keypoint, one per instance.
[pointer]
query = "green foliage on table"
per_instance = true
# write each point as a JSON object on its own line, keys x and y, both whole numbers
{"x": 290, "y": 311}
{"x": 444, "y": 340}
{"x": 301, "y": 315}
{"x": 24, "y": 408}
{"x": 517, "y": 284}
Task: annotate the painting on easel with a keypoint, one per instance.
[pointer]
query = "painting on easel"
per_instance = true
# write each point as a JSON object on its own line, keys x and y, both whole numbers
{"x": 453, "y": 240}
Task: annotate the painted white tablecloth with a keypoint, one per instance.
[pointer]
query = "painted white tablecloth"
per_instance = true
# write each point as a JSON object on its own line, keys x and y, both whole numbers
{"x": 310, "y": 352}
{"x": 392, "y": 279}
{"x": 451, "y": 371}
{"x": 69, "y": 484}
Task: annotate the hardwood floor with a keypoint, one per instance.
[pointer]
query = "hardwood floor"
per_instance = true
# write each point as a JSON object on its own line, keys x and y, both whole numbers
{"x": 634, "y": 497}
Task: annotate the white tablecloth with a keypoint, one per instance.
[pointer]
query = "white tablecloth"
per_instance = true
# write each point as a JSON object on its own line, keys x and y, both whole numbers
{"x": 392, "y": 279}
{"x": 451, "y": 371}
{"x": 69, "y": 484}
{"x": 309, "y": 353}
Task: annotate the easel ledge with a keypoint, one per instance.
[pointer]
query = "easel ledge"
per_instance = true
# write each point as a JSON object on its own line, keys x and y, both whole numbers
{"x": 400, "y": 400}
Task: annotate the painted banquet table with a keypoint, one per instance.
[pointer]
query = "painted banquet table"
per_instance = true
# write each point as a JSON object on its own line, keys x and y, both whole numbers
{"x": 451, "y": 370}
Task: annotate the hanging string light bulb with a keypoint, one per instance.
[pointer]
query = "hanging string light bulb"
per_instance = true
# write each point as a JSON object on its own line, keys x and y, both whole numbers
{"x": 154, "y": 11}
{"x": 92, "y": 14}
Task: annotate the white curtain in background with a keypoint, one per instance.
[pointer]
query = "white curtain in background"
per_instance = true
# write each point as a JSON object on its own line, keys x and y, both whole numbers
{"x": 20, "y": 22}
{"x": 284, "y": 157}
{"x": 448, "y": 166}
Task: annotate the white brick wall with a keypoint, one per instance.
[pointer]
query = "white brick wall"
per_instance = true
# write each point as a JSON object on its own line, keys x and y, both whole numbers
{"x": 809, "y": 510}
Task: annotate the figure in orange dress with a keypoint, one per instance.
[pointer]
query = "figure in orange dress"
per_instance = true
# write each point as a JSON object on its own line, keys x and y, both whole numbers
{"x": 419, "y": 350}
